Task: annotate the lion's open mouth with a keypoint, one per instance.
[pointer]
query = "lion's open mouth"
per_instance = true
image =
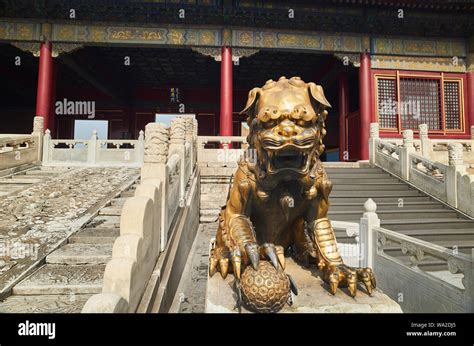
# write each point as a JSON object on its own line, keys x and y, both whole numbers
{"x": 289, "y": 159}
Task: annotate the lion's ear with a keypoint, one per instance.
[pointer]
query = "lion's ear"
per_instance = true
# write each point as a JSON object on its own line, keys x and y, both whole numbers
{"x": 317, "y": 93}
{"x": 249, "y": 109}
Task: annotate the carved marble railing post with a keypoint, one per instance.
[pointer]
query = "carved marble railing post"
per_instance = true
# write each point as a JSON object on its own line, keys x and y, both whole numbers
{"x": 154, "y": 169}
{"x": 141, "y": 147}
{"x": 407, "y": 148}
{"x": 177, "y": 146}
{"x": 195, "y": 141}
{"x": 38, "y": 131}
{"x": 47, "y": 149}
{"x": 189, "y": 135}
{"x": 456, "y": 165}
{"x": 425, "y": 142}
{"x": 368, "y": 221}
{"x": 374, "y": 135}
{"x": 92, "y": 148}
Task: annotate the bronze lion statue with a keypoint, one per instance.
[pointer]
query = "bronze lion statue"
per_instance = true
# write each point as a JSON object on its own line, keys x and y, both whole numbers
{"x": 279, "y": 199}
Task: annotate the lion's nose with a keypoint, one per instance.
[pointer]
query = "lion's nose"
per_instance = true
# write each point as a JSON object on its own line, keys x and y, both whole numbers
{"x": 287, "y": 129}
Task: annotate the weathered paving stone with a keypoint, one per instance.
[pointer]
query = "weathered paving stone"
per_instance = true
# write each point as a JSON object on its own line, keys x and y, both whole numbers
{"x": 106, "y": 221}
{"x": 9, "y": 187}
{"x": 71, "y": 303}
{"x": 95, "y": 236}
{"x": 19, "y": 181}
{"x": 194, "y": 279}
{"x": 127, "y": 194}
{"x": 208, "y": 215}
{"x": 61, "y": 279}
{"x": 120, "y": 201}
{"x": 76, "y": 254}
{"x": 111, "y": 211}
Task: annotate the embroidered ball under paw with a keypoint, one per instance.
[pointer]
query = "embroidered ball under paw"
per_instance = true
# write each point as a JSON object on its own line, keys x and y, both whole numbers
{"x": 266, "y": 289}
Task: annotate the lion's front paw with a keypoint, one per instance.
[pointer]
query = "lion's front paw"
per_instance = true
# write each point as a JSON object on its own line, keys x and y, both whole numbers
{"x": 341, "y": 275}
{"x": 250, "y": 254}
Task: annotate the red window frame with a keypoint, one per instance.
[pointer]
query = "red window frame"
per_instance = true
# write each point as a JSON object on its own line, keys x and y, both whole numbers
{"x": 442, "y": 76}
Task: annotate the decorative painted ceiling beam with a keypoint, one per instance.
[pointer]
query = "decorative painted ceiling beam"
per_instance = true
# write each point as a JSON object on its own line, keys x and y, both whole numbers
{"x": 251, "y": 38}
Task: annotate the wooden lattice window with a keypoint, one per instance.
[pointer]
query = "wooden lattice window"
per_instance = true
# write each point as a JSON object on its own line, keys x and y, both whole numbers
{"x": 420, "y": 103}
{"x": 452, "y": 105}
{"x": 405, "y": 102}
{"x": 387, "y": 102}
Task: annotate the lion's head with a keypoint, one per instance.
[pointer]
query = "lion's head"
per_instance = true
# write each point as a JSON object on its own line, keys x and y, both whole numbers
{"x": 286, "y": 120}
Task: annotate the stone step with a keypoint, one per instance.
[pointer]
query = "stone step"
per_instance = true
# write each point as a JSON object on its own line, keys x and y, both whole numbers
{"x": 69, "y": 303}
{"x": 119, "y": 201}
{"x": 345, "y": 175}
{"x": 214, "y": 189}
{"x": 434, "y": 235}
{"x": 105, "y": 221}
{"x": 208, "y": 215}
{"x": 216, "y": 178}
{"x": 362, "y": 180}
{"x": 34, "y": 178}
{"x": 375, "y": 193}
{"x": 336, "y": 206}
{"x": 127, "y": 193}
{"x": 12, "y": 187}
{"x": 353, "y": 170}
{"x": 95, "y": 236}
{"x": 20, "y": 181}
{"x": 429, "y": 224}
{"x": 371, "y": 187}
{"x": 380, "y": 199}
{"x": 41, "y": 173}
{"x": 55, "y": 169}
{"x": 111, "y": 211}
{"x": 62, "y": 279}
{"x": 213, "y": 204}
{"x": 76, "y": 254}
{"x": 354, "y": 215}
{"x": 217, "y": 171}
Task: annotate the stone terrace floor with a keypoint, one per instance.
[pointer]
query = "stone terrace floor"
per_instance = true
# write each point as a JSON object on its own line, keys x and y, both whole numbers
{"x": 37, "y": 220}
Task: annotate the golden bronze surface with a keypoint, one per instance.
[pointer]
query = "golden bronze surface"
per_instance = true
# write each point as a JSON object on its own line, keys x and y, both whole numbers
{"x": 266, "y": 289}
{"x": 279, "y": 198}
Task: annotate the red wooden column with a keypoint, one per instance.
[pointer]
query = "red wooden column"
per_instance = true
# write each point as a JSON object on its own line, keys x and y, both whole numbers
{"x": 52, "y": 115}
{"x": 226, "y": 92}
{"x": 44, "y": 96}
{"x": 343, "y": 97}
{"x": 470, "y": 97}
{"x": 364, "y": 105}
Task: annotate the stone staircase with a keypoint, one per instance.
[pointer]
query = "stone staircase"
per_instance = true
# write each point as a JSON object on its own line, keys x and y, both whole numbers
{"x": 215, "y": 184}
{"x": 400, "y": 207}
{"x": 15, "y": 180}
{"x": 74, "y": 272}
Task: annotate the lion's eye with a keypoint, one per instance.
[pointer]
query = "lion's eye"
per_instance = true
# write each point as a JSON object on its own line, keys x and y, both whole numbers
{"x": 269, "y": 124}
{"x": 303, "y": 123}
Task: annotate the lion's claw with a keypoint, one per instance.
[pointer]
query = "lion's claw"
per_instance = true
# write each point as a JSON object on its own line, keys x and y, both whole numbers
{"x": 224, "y": 267}
{"x": 366, "y": 276}
{"x": 270, "y": 252}
{"x": 236, "y": 262}
{"x": 344, "y": 276}
{"x": 252, "y": 254}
